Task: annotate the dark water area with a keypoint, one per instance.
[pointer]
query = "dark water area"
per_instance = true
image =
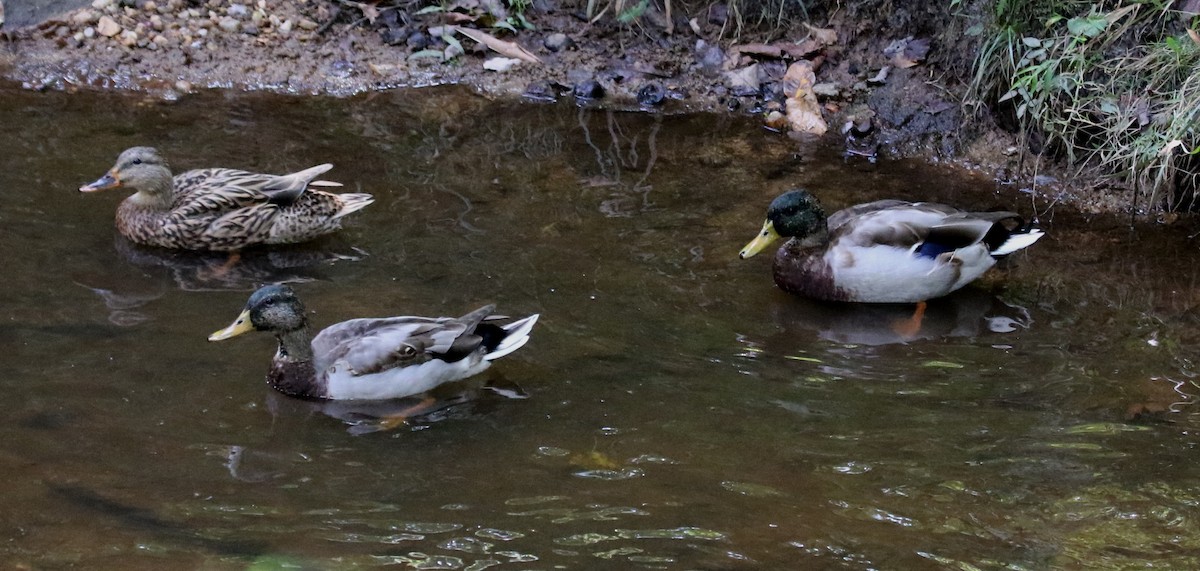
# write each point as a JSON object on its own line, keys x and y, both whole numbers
{"x": 674, "y": 410}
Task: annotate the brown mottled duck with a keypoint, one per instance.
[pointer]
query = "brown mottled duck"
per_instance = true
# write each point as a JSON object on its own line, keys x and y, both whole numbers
{"x": 221, "y": 209}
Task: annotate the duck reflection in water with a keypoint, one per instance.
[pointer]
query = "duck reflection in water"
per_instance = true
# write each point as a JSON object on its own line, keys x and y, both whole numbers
{"x": 968, "y": 312}
{"x": 160, "y": 269}
{"x": 290, "y": 416}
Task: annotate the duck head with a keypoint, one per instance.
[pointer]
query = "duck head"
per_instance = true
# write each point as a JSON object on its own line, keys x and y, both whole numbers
{"x": 795, "y": 213}
{"x": 138, "y": 168}
{"x": 272, "y": 308}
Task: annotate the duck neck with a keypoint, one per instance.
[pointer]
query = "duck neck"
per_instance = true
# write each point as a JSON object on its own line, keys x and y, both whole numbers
{"x": 295, "y": 345}
{"x": 155, "y": 193}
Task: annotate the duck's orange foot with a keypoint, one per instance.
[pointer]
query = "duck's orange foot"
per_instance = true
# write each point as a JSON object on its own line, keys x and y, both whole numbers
{"x": 393, "y": 421}
{"x": 909, "y": 328}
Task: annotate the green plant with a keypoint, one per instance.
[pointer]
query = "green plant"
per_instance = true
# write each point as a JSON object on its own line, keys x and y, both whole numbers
{"x": 1116, "y": 89}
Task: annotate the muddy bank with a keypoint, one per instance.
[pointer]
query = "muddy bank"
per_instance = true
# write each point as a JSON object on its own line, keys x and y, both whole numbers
{"x": 884, "y": 82}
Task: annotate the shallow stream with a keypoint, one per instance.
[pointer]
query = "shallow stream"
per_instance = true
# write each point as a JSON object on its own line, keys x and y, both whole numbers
{"x": 674, "y": 410}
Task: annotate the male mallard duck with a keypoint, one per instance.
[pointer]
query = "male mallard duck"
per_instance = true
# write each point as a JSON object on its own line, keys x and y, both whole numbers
{"x": 888, "y": 251}
{"x": 221, "y": 209}
{"x": 373, "y": 358}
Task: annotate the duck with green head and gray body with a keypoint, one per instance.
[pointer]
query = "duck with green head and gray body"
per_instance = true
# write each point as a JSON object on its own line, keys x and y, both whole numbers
{"x": 889, "y": 251}
{"x": 374, "y": 358}
{"x": 221, "y": 209}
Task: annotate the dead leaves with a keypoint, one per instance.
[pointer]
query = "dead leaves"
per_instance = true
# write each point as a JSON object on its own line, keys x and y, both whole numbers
{"x": 908, "y": 52}
{"x": 803, "y": 110}
{"x": 508, "y": 49}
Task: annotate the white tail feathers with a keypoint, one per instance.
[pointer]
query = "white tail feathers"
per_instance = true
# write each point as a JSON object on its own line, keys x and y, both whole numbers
{"x": 353, "y": 202}
{"x": 517, "y": 336}
{"x": 1017, "y": 241}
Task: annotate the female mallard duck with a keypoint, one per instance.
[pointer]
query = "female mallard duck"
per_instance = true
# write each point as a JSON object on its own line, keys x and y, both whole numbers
{"x": 374, "y": 358}
{"x": 221, "y": 209}
{"x": 888, "y": 251}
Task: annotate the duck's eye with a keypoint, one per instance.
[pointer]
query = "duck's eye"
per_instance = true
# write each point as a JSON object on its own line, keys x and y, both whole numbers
{"x": 407, "y": 351}
{"x": 137, "y": 161}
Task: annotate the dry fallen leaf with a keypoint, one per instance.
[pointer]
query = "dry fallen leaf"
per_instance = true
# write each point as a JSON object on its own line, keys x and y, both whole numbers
{"x": 369, "y": 11}
{"x": 910, "y": 52}
{"x": 757, "y": 49}
{"x": 826, "y": 36}
{"x": 1194, "y": 36}
{"x": 510, "y": 49}
{"x": 743, "y": 80}
{"x": 803, "y": 110}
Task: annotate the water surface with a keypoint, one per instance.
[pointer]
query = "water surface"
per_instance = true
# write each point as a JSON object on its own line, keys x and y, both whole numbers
{"x": 681, "y": 412}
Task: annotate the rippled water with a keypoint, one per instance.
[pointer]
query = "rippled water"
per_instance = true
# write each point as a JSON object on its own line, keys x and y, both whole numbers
{"x": 680, "y": 412}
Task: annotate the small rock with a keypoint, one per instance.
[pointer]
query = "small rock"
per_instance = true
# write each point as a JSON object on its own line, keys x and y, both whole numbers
{"x": 710, "y": 57}
{"x": 417, "y": 41}
{"x": 541, "y": 91}
{"x": 101, "y": 4}
{"x": 108, "y": 27}
{"x": 239, "y": 11}
{"x": 651, "y": 94}
{"x": 156, "y": 23}
{"x": 129, "y": 38}
{"x": 500, "y": 64}
{"x": 161, "y": 41}
{"x": 89, "y": 32}
{"x": 250, "y": 29}
{"x": 557, "y": 42}
{"x": 229, "y": 25}
{"x": 84, "y": 17}
{"x": 589, "y": 89}
{"x": 286, "y": 27}
{"x": 308, "y": 24}
{"x": 150, "y": 6}
{"x": 826, "y": 89}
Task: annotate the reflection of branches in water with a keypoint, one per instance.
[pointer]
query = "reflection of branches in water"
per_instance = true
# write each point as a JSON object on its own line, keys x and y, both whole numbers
{"x": 613, "y": 158}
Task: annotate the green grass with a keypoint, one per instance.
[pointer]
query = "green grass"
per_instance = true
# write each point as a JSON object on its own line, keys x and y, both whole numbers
{"x": 1116, "y": 88}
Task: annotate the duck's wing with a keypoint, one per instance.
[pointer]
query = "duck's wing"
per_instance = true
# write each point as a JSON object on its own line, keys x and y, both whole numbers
{"x": 205, "y": 192}
{"x": 931, "y": 228}
{"x": 372, "y": 345}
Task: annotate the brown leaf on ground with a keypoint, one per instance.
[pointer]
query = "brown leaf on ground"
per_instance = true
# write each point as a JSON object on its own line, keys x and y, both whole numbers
{"x": 765, "y": 50}
{"x": 803, "y": 110}
{"x": 910, "y": 53}
{"x": 1194, "y": 36}
{"x": 790, "y": 50}
{"x": 369, "y": 11}
{"x": 510, "y": 49}
{"x": 825, "y": 36}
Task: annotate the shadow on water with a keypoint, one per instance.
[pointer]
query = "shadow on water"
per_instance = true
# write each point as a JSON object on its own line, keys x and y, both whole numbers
{"x": 681, "y": 412}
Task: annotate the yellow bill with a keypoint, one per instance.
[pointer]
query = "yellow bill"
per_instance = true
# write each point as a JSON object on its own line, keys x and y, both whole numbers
{"x": 764, "y": 239}
{"x": 239, "y": 326}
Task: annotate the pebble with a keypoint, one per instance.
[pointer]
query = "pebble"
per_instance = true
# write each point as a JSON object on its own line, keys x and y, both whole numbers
{"x": 557, "y": 42}
{"x": 101, "y": 4}
{"x": 150, "y": 6}
{"x": 229, "y": 25}
{"x": 238, "y": 11}
{"x": 89, "y": 32}
{"x": 129, "y": 38}
{"x": 308, "y": 24}
{"x": 590, "y": 89}
{"x": 108, "y": 27}
{"x": 286, "y": 27}
{"x": 84, "y": 17}
{"x": 651, "y": 94}
{"x": 156, "y": 23}
{"x": 183, "y": 86}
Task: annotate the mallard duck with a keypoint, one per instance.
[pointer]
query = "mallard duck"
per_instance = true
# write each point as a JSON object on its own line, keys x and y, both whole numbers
{"x": 888, "y": 251}
{"x": 373, "y": 358}
{"x": 221, "y": 209}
